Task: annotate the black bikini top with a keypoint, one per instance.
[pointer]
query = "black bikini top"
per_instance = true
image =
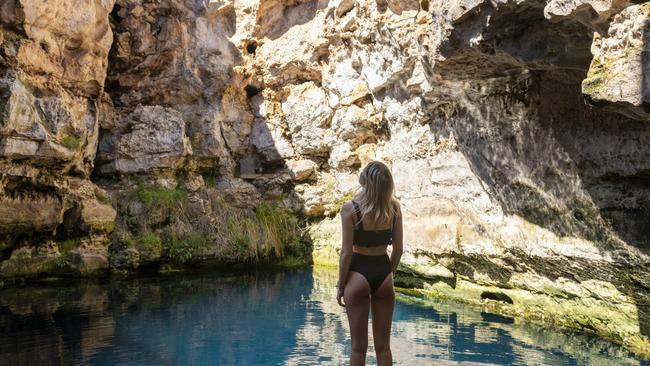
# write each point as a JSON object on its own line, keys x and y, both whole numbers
{"x": 370, "y": 238}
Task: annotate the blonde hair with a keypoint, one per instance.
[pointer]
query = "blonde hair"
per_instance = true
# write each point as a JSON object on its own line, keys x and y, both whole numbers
{"x": 376, "y": 197}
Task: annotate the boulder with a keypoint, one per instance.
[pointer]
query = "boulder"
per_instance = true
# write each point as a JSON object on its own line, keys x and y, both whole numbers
{"x": 308, "y": 115}
{"x": 153, "y": 138}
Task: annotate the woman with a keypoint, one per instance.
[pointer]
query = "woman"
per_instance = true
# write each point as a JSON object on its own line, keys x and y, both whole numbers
{"x": 371, "y": 222}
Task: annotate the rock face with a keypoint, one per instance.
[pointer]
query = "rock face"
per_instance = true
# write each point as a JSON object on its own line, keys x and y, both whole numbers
{"x": 618, "y": 77}
{"x": 53, "y": 66}
{"x": 516, "y": 132}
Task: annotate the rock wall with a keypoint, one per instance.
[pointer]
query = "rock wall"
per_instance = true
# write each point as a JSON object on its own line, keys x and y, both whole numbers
{"x": 517, "y": 133}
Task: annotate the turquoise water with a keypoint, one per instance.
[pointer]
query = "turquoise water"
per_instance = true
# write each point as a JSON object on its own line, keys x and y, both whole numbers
{"x": 288, "y": 318}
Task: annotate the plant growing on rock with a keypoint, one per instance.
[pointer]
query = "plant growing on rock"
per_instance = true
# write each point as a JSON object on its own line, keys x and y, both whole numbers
{"x": 149, "y": 245}
{"x": 185, "y": 248}
{"x": 67, "y": 245}
{"x": 72, "y": 142}
{"x": 160, "y": 197}
{"x": 243, "y": 235}
{"x": 279, "y": 227}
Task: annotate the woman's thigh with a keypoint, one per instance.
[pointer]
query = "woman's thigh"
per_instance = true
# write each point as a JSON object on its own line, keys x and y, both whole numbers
{"x": 357, "y": 304}
{"x": 382, "y": 304}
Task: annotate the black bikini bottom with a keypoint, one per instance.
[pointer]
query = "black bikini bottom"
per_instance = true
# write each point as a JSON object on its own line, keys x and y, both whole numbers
{"x": 375, "y": 268}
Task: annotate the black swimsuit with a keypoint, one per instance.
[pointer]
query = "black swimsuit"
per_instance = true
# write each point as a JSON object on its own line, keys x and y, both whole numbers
{"x": 375, "y": 268}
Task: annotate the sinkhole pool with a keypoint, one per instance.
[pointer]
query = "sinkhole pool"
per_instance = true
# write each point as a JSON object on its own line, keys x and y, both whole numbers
{"x": 261, "y": 318}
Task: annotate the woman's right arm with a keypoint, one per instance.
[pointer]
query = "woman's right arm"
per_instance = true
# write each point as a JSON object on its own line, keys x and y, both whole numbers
{"x": 398, "y": 242}
{"x": 347, "y": 231}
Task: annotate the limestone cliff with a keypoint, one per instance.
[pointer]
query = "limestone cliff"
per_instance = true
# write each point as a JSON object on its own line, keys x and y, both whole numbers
{"x": 517, "y": 133}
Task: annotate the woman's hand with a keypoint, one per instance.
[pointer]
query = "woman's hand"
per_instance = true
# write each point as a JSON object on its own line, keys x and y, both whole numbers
{"x": 339, "y": 296}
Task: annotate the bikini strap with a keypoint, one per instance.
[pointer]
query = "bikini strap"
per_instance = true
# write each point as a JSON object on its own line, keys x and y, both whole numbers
{"x": 359, "y": 224}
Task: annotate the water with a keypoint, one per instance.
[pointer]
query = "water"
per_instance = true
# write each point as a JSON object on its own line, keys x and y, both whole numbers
{"x": 286, "y": 318}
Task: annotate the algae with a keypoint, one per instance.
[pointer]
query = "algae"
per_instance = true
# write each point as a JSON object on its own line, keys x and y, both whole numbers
{"x": 72, "y": 142}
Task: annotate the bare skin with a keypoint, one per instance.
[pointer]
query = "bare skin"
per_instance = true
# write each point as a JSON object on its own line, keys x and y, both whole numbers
{"x": 356, "y": 292}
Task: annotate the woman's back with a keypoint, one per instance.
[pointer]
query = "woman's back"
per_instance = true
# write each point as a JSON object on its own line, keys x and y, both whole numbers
{"x": 371, "y": 238}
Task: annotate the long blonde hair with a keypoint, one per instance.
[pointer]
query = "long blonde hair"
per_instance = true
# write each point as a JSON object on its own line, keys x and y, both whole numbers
{"x": 376, "y": 197}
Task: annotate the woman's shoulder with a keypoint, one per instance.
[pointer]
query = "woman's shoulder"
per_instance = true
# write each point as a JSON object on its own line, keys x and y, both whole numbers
{"x": 347, "y": 207}
{"x": 347, "y": 212}
{"x": 351, "y": 203}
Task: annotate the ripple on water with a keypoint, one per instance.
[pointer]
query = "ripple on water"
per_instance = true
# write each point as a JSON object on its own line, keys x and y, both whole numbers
{"x": 288, "y": 318}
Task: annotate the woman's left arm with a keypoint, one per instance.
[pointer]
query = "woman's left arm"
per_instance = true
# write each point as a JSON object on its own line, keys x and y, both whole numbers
{"x": 398, "y": 243}
{"x": 347, "y": 231}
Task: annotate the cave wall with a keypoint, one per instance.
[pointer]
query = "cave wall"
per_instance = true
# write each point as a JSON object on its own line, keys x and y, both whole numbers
{"x": 516, "y": 132}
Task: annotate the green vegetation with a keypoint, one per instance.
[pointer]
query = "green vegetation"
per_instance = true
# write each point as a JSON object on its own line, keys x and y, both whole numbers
{"x": 617, "y": 323}
{"x": 72, "y": 142}
{"x": 126, "y": 240}
{"x": 279, "y": 227}
{"x": 10, "y": 36}
{"x": 67, "y": 245}
{"x": 184, "y": 249}
{"x": 161, "y": 197}
{"x": 64, "y": 263}
{"x": 149, "y": 245}
{"x": 292, "y": 262}
{"x": 149, "y": 240}
{"x": 161, "y": 224}
{"x": 271, "y": 232}
{"x": 210, "y": 178}
{"x": 242, "y": 233}
{"x": 591, "y": 86}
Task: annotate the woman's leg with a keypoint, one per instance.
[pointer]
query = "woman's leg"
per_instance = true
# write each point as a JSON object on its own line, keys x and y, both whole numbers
{"x": 357, "y": 303}
{"x": 382, "y": 303}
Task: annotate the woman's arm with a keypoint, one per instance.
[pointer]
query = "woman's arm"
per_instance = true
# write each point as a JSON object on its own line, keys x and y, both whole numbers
{"x": 398, "y": 244}
{"x": 347, "y": 231}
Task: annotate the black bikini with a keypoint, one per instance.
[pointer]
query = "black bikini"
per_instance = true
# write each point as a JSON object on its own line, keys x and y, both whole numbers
{"x": 375, "y": 268}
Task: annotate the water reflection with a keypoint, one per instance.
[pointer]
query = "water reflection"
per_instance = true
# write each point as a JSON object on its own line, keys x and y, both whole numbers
{"x": 288, "y": 318}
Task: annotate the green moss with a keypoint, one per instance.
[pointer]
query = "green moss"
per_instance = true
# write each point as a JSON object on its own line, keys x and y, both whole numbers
{"x": 156, "y": 196}
{"x": 170, "y": 269}
{"x": 72, "y": 142}
{"x": 591, "y": 86}
{"x": 292, "y": 262}
{"x": 126, "y": 240}
{"x": 67, "y": 245}
{"x": 11, "y": 36}
{"x": 615, "y": 322}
